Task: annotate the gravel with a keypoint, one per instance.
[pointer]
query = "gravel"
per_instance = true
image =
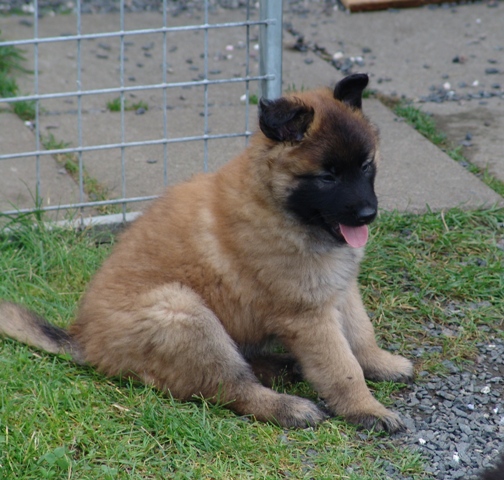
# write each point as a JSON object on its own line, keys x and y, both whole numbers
{"x": 456, "y": 421}
{"x": 444, "y": 93}
{"x": 107, "y": 6}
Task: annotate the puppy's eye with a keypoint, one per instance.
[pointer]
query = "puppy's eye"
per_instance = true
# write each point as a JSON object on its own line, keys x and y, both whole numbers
{"x": 366, "y": 166}
{"x": 327, "y": 177}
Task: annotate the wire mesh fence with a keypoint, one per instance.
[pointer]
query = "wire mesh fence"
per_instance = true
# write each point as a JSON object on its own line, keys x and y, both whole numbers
{"x": 112, "y": 108}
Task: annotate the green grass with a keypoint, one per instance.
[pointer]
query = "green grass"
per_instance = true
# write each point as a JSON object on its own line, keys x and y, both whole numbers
{"x": 115, "y": 105}
{"x": 425, "y": 125}
{"x": 253, "y": 99}
{"x": 441, "y": 269}
{"x": 60, "y": 420}
{"x": 24, "y": 109}
{"x": 8, "y": 85}
{"x": 11, "y": 63}
{"x": 292, "y": 88}
{"x": 369, "y": 93}
{"x": 11, "y": 59}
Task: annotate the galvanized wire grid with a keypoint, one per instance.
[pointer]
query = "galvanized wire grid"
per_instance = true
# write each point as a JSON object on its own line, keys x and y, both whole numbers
{"x": 269, "y": 78}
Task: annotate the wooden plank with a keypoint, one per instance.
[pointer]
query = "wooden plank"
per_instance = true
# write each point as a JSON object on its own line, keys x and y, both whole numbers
{"x": 366, "y": 5}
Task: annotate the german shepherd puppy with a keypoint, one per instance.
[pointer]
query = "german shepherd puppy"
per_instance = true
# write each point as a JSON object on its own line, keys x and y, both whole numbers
{"x": 496, "y": 472}
{"x": 268, "y": 247}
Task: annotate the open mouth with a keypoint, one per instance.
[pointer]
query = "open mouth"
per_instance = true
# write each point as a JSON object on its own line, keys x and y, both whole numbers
{"x": 356, "y": 237}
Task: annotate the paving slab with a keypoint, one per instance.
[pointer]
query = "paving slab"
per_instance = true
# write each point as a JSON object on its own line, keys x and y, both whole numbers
{"x": 408, "y": 51}
{"x": 477, "y": 129}
{"x": 18, "y": 177}
{"x": 414, "y": 174}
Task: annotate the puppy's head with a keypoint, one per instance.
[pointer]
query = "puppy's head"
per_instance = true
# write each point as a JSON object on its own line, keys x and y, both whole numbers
{"x": 322, "y": 156}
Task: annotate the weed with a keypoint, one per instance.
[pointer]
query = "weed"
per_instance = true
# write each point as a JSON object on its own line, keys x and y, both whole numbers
{"x": 25, "y": 109}
{"x": 369, "y": 93}
{"x": 8, "y": 85}
{"x": 11, "y": 59}
{"x": 93, "y": 188}
{"x": 115, "y": 105}
{"x": 291, "y": 88}
{"x": 422, "y": 122}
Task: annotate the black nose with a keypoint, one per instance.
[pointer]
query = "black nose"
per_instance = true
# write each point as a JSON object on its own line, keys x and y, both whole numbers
{"x": 366, "y": 214}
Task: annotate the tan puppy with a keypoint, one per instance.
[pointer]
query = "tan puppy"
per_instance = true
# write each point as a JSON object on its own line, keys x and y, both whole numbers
{"x": 266, "y": 248}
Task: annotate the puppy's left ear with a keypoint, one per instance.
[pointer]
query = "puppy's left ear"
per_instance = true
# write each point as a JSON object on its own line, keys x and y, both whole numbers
{"x": 284, "y": 120}
{"x": 349, "y": 90}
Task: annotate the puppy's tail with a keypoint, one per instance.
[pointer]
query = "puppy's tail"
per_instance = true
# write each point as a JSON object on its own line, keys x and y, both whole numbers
{"x": 27, "y": 327}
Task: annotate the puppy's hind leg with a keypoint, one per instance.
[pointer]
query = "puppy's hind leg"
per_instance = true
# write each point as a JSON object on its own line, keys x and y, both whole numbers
{"x": 275, "y": 368}
{"x": 187, "y": 351}
{"x": 376, "y": 363}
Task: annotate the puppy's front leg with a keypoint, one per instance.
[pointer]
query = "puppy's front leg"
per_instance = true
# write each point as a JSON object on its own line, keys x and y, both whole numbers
{"x": 330, "y": 366}
{"x": 376, "y": 363}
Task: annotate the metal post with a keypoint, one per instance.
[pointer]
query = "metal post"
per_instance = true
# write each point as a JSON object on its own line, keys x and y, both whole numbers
{"x": 270, "y": 44}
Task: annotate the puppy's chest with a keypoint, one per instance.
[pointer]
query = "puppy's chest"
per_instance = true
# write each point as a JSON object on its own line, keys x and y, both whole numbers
{"x": 320, "y": 280}
{"x": 291, "y": 291}
{"x": 293, "y": 284}
{"x": 251, "y": 297}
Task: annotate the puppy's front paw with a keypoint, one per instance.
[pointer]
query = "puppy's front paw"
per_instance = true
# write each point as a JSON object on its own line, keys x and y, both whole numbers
{"x": 402, "y": 370}
{"x": 296, "y": 412}
{"x": 386, "y": 421}
{"x": 395, "y": 368}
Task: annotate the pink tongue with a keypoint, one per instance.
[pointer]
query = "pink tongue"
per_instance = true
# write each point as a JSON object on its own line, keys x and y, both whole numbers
{"x": 355, "y": 236}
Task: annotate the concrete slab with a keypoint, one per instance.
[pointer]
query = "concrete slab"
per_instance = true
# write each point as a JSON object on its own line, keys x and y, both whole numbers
{"x": 478, "y": 129}
{"x": 408, "y": 51}
{"x": 18, "y": 177}
{"x": 144, "y": 165}
{"x": 416, "y": 176}
{"x": 143, "y": 58}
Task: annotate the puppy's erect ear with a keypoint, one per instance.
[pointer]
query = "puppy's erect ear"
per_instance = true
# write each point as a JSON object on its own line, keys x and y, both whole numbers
{"x": 284, "y": 120}
{"x": 349, "y": 90}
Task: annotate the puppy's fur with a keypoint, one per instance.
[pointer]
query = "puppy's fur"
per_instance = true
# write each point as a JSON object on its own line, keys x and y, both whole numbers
{"x": 267, "y": 247}
{"x": 495, "y": 473}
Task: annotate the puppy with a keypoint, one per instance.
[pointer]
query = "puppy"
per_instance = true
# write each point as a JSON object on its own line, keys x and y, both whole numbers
{"x": 268, "y": 247}
{"x": 495, "y": 473}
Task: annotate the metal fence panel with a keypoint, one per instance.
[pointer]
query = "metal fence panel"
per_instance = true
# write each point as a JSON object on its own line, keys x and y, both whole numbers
{"x": 182, "y": 86}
